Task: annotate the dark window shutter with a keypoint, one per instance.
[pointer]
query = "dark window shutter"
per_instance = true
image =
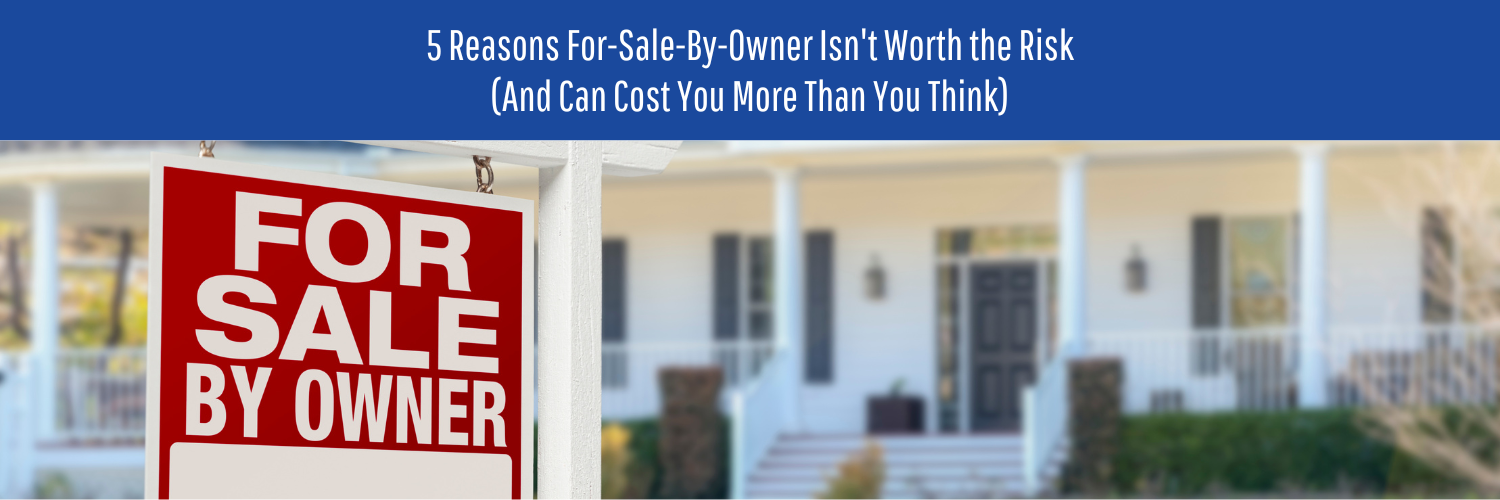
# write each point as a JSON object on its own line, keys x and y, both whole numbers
{"x": 1438, "y": 284}
{"x": 1206, "y": 275}
{"x": 819, "y": 328}
{"x": 726, "y": 286}
{"x": 1206, "y": 290}
{"x": 613, "y": 283}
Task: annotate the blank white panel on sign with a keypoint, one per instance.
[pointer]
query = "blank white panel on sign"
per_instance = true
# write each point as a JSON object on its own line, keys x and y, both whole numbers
{"x": 203, "y": 470}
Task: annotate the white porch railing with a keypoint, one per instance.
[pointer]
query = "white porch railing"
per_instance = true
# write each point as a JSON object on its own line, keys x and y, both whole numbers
{"x": 101, "y": 395}
{"x": 760, "y": 410}
{"x": 630, "y": 371}
{"x": 1256, "y": 369}
{"x": 1445, "y": 364}
{"x": 17, "y": 447}
{"x": 758, "y": 382}
{"x": 1045, "y": 423}
{"x": 1204, "y": 370}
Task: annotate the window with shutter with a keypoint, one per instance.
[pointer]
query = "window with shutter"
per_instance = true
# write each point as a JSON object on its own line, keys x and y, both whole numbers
{"x": 1439, "y": 287}
{"x": 615, "y": 367}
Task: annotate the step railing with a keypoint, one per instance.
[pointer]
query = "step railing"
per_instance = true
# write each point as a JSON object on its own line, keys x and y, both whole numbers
{"x": 759, "y": 411}
{"x": 1044, "y": 423}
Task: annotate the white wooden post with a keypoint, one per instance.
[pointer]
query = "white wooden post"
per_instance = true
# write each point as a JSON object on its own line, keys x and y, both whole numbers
{"x": 44, "y": 300}
{"x": 569, "y": 290}
{"x": 1072, "y": 265}
{"x": 569, "y": 294}
{"x": 788, "y": 268}
{"x": 1312, "y": 322}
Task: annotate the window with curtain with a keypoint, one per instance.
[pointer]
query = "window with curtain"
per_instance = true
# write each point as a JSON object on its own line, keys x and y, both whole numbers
{"x": 1259, "y": 271}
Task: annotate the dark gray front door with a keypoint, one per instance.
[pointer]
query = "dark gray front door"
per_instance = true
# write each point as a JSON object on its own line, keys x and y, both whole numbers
{"x": 1002, "y": 342}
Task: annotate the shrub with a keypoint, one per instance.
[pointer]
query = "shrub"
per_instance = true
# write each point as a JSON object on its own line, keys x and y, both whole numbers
{"x": 1195, "y": 454}
{"x": 616, "y": 466}
{"x": 860, "y": 476}
{"x": 644, "y": 472}
{"x": 646, "y": 469}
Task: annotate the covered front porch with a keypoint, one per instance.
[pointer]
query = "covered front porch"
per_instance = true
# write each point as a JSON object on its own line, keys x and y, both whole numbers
{"x": 969, "y": 274}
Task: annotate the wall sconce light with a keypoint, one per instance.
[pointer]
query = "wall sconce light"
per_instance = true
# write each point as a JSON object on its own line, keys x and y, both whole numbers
{"x": 1135, "y": 271}
{"x": 875, "y": 280}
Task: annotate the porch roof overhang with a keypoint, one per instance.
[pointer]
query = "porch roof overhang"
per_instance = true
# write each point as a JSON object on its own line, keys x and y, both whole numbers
{"x": 621, "y": 158}
{"x": 627, "y": 158}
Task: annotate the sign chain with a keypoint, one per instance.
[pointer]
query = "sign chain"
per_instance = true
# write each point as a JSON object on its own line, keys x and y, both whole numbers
{"x": 206, "y": 149}
{"x": 484, "y": 176}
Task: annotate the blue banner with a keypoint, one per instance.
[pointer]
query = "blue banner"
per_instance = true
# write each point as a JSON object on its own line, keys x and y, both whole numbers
{"x": 750, "y": 70}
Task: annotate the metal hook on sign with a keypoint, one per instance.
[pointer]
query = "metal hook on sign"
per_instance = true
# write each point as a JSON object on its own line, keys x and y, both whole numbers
{"x": 206, "y": 149}
{"x": 484, "y": 176}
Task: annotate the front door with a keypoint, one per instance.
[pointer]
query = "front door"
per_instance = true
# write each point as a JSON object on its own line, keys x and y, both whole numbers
{"x": 1002, "y": 342}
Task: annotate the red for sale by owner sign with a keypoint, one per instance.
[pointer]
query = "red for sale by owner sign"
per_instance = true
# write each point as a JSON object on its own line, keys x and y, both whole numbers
{"x": 315, "y": 335}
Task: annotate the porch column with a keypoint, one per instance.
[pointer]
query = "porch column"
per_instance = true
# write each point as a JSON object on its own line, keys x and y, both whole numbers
{"x": 1072, "y": 257}
{"x": 788, "y": 268}
{"x": 1312, "y": 253}
{"x": 569, "y": 291}
{"x": 43, "y": 305}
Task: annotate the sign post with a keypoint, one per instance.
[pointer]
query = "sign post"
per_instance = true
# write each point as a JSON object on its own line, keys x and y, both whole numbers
{"x": 315, "y": 335}
{"x": 569, "y": 290}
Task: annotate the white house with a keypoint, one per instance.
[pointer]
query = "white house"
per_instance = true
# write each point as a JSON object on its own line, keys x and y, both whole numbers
{"x": 1229, "y": 276}
{"x": 1226, "y": 275}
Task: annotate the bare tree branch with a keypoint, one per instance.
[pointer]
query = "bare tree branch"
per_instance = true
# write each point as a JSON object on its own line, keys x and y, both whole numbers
{"x": 17, "y": 290}
{"x": 1437, "y": 402}
{"x": 117, "y": 302}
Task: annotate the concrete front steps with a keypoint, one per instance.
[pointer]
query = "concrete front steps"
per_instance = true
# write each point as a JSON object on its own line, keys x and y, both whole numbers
{"x": 917, "y": 466}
